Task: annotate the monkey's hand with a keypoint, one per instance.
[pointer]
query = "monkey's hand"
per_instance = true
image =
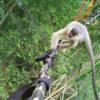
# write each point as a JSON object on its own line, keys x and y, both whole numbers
{"x": 68, "y": 43}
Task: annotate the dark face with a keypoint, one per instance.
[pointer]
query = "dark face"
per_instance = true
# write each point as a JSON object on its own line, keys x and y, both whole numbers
{"x": 73, "y": 33}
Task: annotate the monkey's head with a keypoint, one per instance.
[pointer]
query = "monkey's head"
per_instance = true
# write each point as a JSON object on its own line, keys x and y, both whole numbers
{"x": 72, "y": 32}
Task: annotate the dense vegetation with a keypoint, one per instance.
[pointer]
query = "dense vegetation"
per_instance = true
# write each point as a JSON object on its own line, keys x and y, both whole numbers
{"x": 26, "y": 33}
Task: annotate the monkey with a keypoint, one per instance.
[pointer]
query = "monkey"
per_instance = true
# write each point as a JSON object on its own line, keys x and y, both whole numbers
{"x": 72, "y": 34}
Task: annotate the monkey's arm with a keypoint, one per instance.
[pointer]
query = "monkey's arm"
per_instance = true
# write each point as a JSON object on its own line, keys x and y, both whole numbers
{"x": 56, "y": 36}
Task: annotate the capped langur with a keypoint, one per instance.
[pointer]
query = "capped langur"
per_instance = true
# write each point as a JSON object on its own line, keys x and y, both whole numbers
{"x": 72, "y": 34}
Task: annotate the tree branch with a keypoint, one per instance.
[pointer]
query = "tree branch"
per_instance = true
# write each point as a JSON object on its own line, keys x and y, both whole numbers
{"x": 87, "y": 13}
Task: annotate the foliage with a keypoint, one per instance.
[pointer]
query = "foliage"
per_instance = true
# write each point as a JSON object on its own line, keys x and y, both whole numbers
{"x": 26, "y": 33}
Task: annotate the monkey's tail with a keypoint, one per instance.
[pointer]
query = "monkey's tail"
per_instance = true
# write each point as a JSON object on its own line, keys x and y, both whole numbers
{"x": 89, "y": 47}
{"x": 91, "y": 19}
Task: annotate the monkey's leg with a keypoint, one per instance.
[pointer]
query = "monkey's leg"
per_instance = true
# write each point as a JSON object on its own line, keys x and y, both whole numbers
{"x": 65, "y": 40}
{"x": 68, "y": 44}
{"x": 64, "y": 45}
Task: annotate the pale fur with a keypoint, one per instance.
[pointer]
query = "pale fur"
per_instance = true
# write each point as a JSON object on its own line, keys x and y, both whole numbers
{"x": 64, "y": 33}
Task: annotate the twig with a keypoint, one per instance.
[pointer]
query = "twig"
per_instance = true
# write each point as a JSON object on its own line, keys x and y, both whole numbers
{"x": 7, "y": 14}
{"x": 79, "y": 10}
{"x": 88, "y": 11}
